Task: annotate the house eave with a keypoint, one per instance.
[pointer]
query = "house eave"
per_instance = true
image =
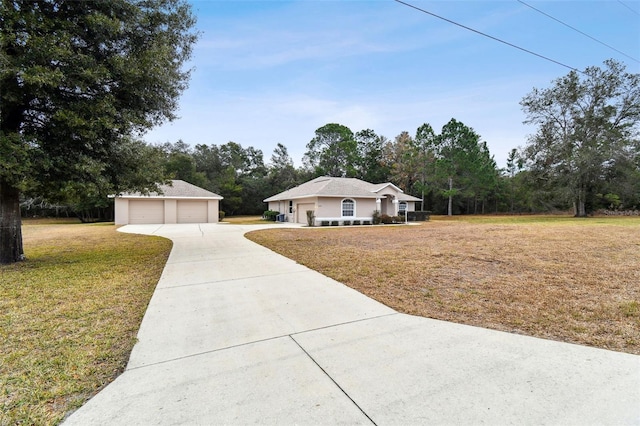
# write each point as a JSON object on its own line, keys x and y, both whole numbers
{"x": 164, "y": 197}
{"x": 298, "y": 197}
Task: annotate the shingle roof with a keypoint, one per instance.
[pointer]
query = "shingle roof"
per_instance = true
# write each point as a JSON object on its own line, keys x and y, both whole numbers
{"x": 176, "y": 189}
{"x": 326, "y": 186}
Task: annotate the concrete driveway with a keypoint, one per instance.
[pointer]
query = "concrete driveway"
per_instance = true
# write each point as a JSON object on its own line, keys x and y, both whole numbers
{"x": 236, "y": 334}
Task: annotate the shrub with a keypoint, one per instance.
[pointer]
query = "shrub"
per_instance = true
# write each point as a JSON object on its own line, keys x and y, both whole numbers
{"x": 376, "y": 217}
{"x": 397, "y": 219}
{"x": 418, "y": 216}
{"x": 356, "y": 222}
{"x": 346, "y": 222}
{"x": 270, "y": 215}
{"x": 311, "y": 218}
{"x": 324, "y": 223}
{"x": 386, "y": 219}
{"x": 366, "y": 222}
{"x": 221, "y": 215}
{"x": 334, "y": 223}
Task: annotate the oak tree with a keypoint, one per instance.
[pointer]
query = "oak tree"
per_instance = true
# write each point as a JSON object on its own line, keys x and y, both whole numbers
{"x": 586, "y": 122}
{"x": 77, "y": 79}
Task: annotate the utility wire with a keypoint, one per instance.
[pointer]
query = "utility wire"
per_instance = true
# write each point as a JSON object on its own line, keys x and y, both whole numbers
{"x": 488, "y": 36}
{"x": 577, "y": 30}
{"x": 629, "y": 7}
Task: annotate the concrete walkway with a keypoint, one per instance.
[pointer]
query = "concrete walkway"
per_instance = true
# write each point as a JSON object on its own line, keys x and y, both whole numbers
{"x": 236, "y": 334}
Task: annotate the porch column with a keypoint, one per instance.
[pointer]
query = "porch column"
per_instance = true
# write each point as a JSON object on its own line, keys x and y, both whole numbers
{"x": 395, "y": 207}
{"x": 378, "y": 204}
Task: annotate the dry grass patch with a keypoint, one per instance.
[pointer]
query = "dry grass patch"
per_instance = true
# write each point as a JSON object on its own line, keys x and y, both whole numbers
{"x": 69, "y": 315}
{"x": 574, "y": 280}
{"x": 245, "y": 220}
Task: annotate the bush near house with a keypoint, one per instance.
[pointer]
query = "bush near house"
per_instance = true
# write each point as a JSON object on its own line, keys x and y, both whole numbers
{"x": 386, "y": 219}
{"x": 418, "y": 216}
{"x": 270, "y": 215}
{"x": 376, "y": 217}
{"x": 311, "y": 218}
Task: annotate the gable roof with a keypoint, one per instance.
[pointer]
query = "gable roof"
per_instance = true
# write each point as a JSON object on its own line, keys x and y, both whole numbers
{"x": 327, "y": 186}
{"x": 176, "y": 189}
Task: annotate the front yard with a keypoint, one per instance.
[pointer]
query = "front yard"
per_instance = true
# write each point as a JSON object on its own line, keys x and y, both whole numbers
{"x": 574, "y": 280}
{"x": 69, "y": 315}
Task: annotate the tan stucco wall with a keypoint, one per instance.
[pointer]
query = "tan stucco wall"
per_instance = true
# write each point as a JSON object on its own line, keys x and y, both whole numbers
{"x": 308, "y": 203}
{"x": 121, "y": 211}
{"x": 278, "y": 206}
{"x": 388, "y": 191}
{"x": 283, "y": 207}
{"x": 213, "y": 207}
{"x": 170, "y": 211}
{"x": 331, "y": 209}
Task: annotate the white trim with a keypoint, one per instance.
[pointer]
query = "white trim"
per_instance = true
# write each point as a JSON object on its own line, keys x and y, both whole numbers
{"x": 270, "y": 200}
{"x": 162, "y": 197}
{"x": 340, "y": 219}
{"x": 386, "y": 186}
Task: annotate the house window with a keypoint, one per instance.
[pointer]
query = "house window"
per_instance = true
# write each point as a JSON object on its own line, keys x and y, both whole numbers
{"x": 402, "y": 206}
{"x": 348, "y": 208}
{"x": 290, "y": 206}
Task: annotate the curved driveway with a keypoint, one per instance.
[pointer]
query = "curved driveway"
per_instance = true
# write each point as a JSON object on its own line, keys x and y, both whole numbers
{"x": 237, "y": 334}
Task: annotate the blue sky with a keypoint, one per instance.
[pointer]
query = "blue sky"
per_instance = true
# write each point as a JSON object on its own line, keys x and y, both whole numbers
{"x": 275, "y": 71}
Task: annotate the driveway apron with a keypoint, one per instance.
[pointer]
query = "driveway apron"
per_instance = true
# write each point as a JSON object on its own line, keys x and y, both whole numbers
{"x": 237, "y": 334}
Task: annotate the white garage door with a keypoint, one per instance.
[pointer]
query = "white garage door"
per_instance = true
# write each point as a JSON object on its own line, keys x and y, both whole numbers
{"x": 146, "y": 211}
{"x": 192, "y": 211}
{"x": 302, "y": 212}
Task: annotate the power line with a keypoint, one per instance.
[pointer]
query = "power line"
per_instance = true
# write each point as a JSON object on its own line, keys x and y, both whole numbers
{"x": 489, "y": 36}
{"x": 629, "y": 7}
{"x": 577, "y": 30}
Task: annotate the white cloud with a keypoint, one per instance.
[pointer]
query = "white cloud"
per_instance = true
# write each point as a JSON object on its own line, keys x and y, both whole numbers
{"x": 276, "y": 71}
{"x": 264, "y": 119}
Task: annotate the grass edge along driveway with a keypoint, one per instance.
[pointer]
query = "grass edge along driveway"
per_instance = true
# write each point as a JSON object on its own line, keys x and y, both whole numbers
{"x": 69, "y": 315}
{"x": 559, "y": 278}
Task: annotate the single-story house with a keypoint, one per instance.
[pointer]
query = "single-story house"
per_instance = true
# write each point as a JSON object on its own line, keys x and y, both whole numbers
{"x": 178, "y": 202}
{"x": 340, "y": 199}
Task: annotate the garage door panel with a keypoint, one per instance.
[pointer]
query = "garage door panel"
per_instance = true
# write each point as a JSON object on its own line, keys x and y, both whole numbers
{"x": 146, "y": 211}
{"x": 192, "y": 211}
{"x": 302, "y": 212}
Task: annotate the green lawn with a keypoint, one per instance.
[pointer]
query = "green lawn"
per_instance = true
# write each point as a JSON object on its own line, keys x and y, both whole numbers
{"x": 69, "y": 315}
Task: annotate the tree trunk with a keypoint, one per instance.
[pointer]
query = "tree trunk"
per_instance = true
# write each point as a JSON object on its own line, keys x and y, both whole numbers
{"x": 10, "y": 225}
{"x": 579, "y": 207}
{"x": 450, "y": 206}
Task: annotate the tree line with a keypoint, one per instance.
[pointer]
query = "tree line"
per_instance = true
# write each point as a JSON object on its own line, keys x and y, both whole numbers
{"x": 452, "y": 171}
{"x": 81, "y": 81}
{"x": 591, "y": 162}
{"x": 584, "y": 157}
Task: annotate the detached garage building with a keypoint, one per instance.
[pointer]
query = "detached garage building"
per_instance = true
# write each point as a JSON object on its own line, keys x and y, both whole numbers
{"x": 179, "y": 202}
